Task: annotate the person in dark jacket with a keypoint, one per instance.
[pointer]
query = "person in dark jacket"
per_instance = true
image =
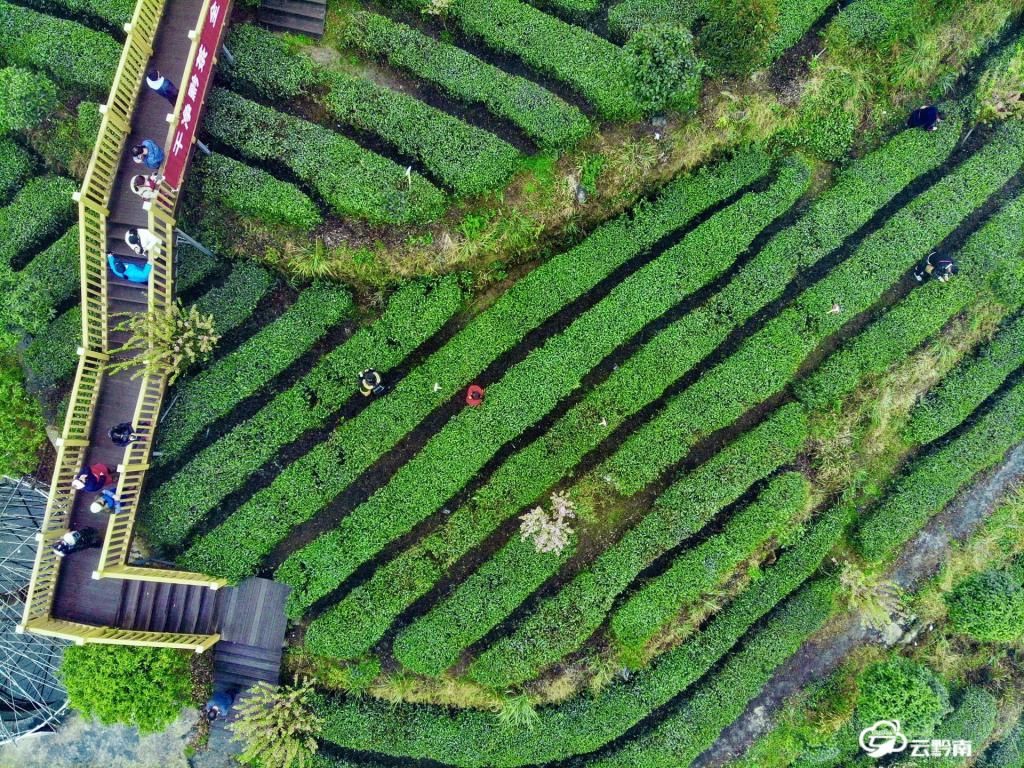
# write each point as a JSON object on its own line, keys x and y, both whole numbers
{"x": 370, "y": 383}
{"x": 942, "y": 268}
{"x": 123, "y": 434}
{"x": 92, "y": 478}
{"x": 148, "y": 152}
{"x": 927, "y": 118}
{"x": 133, "y": 273}
{"x": 162, "y": 85}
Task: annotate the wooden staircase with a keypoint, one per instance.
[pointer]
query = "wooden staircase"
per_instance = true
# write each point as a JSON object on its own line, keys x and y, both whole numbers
{"x": 160, "y": 607}
{"x": 306, "y": 17}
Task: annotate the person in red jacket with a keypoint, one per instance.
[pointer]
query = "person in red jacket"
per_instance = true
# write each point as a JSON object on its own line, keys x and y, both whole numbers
{"x": 475, "y": 395}
{"x": 92, "y": 479}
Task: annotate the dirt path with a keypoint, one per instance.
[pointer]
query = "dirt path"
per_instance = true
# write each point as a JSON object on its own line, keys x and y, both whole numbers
{"x": 817, "y": 659}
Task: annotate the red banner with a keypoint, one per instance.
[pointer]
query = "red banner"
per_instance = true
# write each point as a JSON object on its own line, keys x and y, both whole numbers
{"x": 194, "y": 86}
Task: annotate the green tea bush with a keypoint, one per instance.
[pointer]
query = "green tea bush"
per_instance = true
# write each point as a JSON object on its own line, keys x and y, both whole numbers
{"x": 965, "y": 387}
{"x": 234, "y": 300}
{"x": 628, "y": 17}
{"x": 15, "y": 168}
{"x": 900, "y": 689}
{"x": 988, "y": 606}
{"x": 825, "y": 127}
{"x": 113, "y": 13}
{"x": 573, "y": 9}
{"x": 544, "y": 117}
{"x": 973, "y": 719}
{"x": 932, "y": 481}
{"x": 51, "y": 356}
{"x": 21, "y": 423}
{"x": 562, "y": 623}
{"x": 42, "y": 209}
{"x": 43, "y": 42}
{"x": 664, "y": 69}
{"x": 524, "y": 306}
{"x": 26, "y": 98}
{"x": 469, "y": 739}
{"x": 766, "y": 362}
{"x": 413, "y": 315}
{"x": 1008, "y": 753}
{"x": 736, "y": 34}
{"x": 210, "y": 394}
{"x": 49, "y": 280}
{"x": 352, "y": 626}
{"x": 253, "y": 192}
{"x": 876, "y": 24}
{"x": 989, "y": 253}
{"x": 352, "y": 180}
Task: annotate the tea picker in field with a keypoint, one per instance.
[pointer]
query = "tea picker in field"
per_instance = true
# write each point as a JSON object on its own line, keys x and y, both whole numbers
{"x": 940, "y": 267}
{"x": 107, "y": 502}
{"x": 475, "y": 395}
{"x": 162, "y": 85}
{"x": 927, "y": 118}
{"x": 148, "y": 152}
{"x": 371, "y": 383}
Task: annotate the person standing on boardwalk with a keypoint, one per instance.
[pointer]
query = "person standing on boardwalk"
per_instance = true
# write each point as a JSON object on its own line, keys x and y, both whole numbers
{"x": 162, "y": 85}
{"x": 140, "y": 240}
{"x": 133, "y": 273}
{"x": 123, "y": 434}
{"x": 92, "y": 478}
{"x": 146, "y": 186}
{"x": 148, "y": 152}
{"x": 107, "y": 502}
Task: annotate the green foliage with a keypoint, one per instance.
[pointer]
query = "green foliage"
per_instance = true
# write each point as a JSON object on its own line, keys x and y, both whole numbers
{"x": 352, "y": 180}
{"x": 517, "y": 713}
{"x": 253, "y": 192}
{"x": 1000, "y": 91}
{"x": 540, "y": 114}
{"x": 277, "y": 726}
{"x": 49, "y": 281}
{"x": 43, "y": 42}
{"x": 213, "y": 392}
{"x": 114, "y": 14}
{"x": 15, "y": 168}
{"x": 562, "y": 623}
{"x": 900, "y": 689}
{"x": 988, "y": 255}
{"x": 42, "y": 209}
{"x": 825, "y": 127}
{"x": 231, "y": 302}
{"x": 26, "y": 99}
{"x": 413, "y": 315}
{"x": 317, "y": 569}
{"x": 588, "y": 64}
{"x": 21, "y": 423}
{"x": 932, "y": 481}
{"x": 664, "y": 69}
{"x": 1008, "y": 753}
{"x": 164, "y": 343}
{"x": 143, "y": 687}
{"x": 51, "y": 357}
{"x": 628, "y": 17}
{"x": 877, "y": 24}
{"x": 736, "y": 35}
{"x": 973, "y": 719}
{"x": 988, "y": 606}
{"x": 352, "y": 626}
{"x": 767, "y": 361}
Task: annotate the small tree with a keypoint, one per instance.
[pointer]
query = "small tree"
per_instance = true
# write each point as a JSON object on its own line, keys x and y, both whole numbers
{"x": 277, "y": 726}
{"x": 550, "y": 532}
{"x": 876, "y": 601}
{"x": 144, "y": 687}
{"x": 26, "y": 99}
{"x": 988, "y": 606}
{"x": 166, "y": 343}
{"x": 901, "y": 689}
{"x": 665, "y": 71}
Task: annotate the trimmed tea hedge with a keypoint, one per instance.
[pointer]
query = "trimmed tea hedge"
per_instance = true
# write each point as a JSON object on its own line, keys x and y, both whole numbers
{"x": 42, "y": 209}
{"x": 202, "y": 399}
{"x": 1008, "y": 753}
{"x": 352, "y": 180}
{"x": 989, "y": 255}
{"x": 253, "y": 192}
{"x": 767, "y": 361}
{"x": 796, "y": 17}
{"x": 697, "y": 571}
{"x": 113, "y": 13}
{"x": 36, "y": 40}
{"x": 721, "y": 698}
{"x": 15, "y": 168}
{"x": 544, "y": 117}
{"x": 515, "y": 572}
{"x": 585, "y": 62}
{"x": 562, "y": 623}
{"x": 414, "y": 314}
{"x": 49, "y": 280}
{"x": 973, "y": 719}
{"x": 932, "y": 481}
{"x": 234, "y": 300}
{"x": 470, "y": 739}
{"x": 524, "y": 306}
{"x": 967, "y": 385}
{"x": 466, "y": 158}
{"x": 354, "y": 624}
{"x": 629, "y": 16}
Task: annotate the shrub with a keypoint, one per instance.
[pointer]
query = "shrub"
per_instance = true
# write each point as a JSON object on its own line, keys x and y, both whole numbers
{"x": 352, "y": 180}
{"x": 15, "y": 168}
{"x": 876, "y": 24}
{"x": 664, "y": 70}
{"x": 26, "y": 98}
{"x": 1008, "y": 753}
{"x": 165, "y": 343}
{"x": 973, "y": 720}
{"x": 1000, "y": 91}
{"x": 901, "y": 689}
{"x": 276, "y": 726}
{"x": 628, "y": 17}
{"x": 737, "y": 33}
{"x": 114, "y": 14}
{"x": 988, "y": 606}
{"x": 40, "y": 211}
{"x": 233, "y": 301}
{"x": 351, "y": 626}
{"x": 253, "y": 192}
{"x": 21, "y": 423}
{"x": 38, "y": 41}
{"x": 826, "y": 127}
{"x": 142, "y": 687}
{"x": 539, "y": 113}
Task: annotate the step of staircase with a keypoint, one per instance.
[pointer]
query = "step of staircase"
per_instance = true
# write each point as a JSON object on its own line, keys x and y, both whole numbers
{"x": 159, "y": 607}
{"x": 238, "y": 667}
{"x": 300, "y": 16}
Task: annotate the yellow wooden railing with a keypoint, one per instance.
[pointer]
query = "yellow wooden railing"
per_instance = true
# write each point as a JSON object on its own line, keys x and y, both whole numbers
{"x": 93, "y": 201}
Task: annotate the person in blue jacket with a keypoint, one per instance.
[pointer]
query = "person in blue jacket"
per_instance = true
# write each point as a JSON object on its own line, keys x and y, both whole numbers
{"x": 148, "y": 152}
{"x": 133, "y": 273}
